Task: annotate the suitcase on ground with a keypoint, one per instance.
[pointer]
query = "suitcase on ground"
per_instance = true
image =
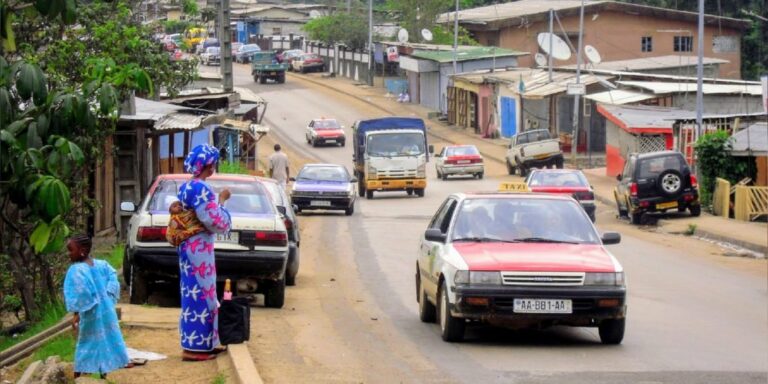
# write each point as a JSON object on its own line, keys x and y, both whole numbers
{"x": 234, "y": 321}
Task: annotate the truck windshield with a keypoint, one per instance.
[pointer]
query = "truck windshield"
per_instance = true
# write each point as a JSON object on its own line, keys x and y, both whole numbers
{"x": 396, "y": 144}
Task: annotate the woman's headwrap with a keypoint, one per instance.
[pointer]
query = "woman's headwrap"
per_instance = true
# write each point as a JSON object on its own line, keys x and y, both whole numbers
{"x": 200, "y": 157}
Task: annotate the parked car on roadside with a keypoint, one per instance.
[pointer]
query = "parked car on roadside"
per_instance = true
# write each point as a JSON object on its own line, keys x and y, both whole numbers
{"x": 212, "y": 55}
{"x": 286, "y": 57}
{"x": 656, "y": 182}
{"x": 308, "y": 62}
{"x": 569, "y": 182}
{"x": 284, "y": 206}
{"x": 235, "y": 47}
{"x": 533, "y": 149}
{"x": 324, "y": 187}
{"x": 211, "y": 42}
{"x": 459, "y": 160}
{"x": 325, "y": 131}
{"x": 245, "y": 52}
{"x": 255, "y": 250}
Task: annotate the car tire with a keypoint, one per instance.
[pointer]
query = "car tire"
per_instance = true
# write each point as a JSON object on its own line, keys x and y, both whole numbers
{"x": 139, "y": 286}
{"x": 695, "y": 210}
{"x": 451, "y": 328}
{"x": 290, "y": 280}
{"x": 126, "y": 269}
{"x": 559, "y": 163}
{"x": 510, "y": 168}
{"x": 350, "y": 210}
{"x": 444, "y": 176}
{"x": 369, "y": 194}
{"x": 275, "y": 295}
{"x": 314, "y": 143}
{"x": 427, "y": 310}
{"x": 636, "y": 218}
{"x": 612, "y": 331}
{"x": 420, "y": 192}
{"x": 480, "y": 175}
{"x": 669, "y": 183}
{"x": 343, "y": 143}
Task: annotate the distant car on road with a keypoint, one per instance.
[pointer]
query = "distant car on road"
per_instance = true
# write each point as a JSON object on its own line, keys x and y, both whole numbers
{"x": 459, "y": 160}
{"x": 325, "y": 187}
{"x": 245, "y": 52}
{"x": 286, "y": 57}
{"x": 212, "y": 55}
{"x": 518, "y": 260}
{"x": 656, "y": 182}
{"x": 255, "y": 249}
{"x": 308, "y": 62}
{"x": 533, "y": 149}
{"x": 325, "y": 131}
{"x": 569, "y": 182}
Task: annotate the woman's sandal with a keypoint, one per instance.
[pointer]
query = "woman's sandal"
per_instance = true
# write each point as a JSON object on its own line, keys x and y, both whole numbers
{"x": 218, "y": 350}
{"x": 197, "y": 356}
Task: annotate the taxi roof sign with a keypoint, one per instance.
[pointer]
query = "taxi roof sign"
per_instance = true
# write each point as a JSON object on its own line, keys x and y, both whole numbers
{"x": 513, "y": 186}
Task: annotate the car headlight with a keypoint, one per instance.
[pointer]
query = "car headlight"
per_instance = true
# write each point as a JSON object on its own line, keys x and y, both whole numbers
{"x": 604, "y": 278}
{"x": 484, "y": 278}
{"x": 421, "y": 171}
{"x": 461, "y": 277}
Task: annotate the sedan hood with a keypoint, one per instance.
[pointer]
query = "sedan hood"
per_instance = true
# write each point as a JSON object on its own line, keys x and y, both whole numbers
{"x": 541, "y": 257}
{"x": 324, "y": 186}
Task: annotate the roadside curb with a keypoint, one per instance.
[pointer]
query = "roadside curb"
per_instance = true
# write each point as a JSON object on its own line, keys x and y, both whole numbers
{"x": 242, "y": 362}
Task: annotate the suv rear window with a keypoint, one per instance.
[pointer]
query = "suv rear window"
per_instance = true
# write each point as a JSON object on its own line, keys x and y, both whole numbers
{"x": 247, "y": 197}
{"x": 653, "y": 166}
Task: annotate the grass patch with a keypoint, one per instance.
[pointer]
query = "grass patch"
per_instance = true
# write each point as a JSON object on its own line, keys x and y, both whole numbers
{"x": 52, "y": 314}
{"x": 236, "y": 168}
{"x": 62, "y": 346}
{"x": 219, "y": 379}
{"x": 691, "y": 229}
{"x": 114, "y": 257}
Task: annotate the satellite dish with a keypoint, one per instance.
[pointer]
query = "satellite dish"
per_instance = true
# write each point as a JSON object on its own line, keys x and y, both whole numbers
{"x": 402, "y": 35}
{"x": 540, "y": 59}
{"x": 426, "y": 34}
{"x": 592, "y": 54}
{"x": 559, "y": 50}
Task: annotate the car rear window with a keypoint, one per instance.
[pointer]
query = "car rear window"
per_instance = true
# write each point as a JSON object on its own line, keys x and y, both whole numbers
{"x": 558, "y": 179}
{"x": 312, "y": 56}
{"x": 248, "y": 197}
{"x": 462, "y": 151}
{"x": 653, "y": 166}
{"x": 518, "y": 219}
{"x": 326, "y": 124}
{"x": 323, "y": 174}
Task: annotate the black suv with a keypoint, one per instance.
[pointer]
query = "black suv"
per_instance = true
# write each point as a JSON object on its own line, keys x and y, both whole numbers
{"x": 656, "y": 182}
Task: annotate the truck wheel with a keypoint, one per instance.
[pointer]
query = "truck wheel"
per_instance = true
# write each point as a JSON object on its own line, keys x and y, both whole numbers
{"x": 139, "y": 286}
{"x": 523, "y": 170}
{"x": 281, "y": 79}
{"x": 369, "y": 194}
{"x": 427, "y": 310}
{"x": 275, "y": 295}
{"x": 612, "y": 331}
{"x": 420, "y": 192}
{"x": 695, "y": 210}
{"x": 360, "y": 186}
{"x": 559, "y": 163}
{"x": 255, "y": 78}
{"x": 451, "y": 328}
{"x": 510, "y": 168}
{"x": 262, "y": 80}
{"x": 409, "y": 191}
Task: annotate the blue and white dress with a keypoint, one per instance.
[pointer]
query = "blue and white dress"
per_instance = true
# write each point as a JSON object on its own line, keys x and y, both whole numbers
{"x": 93, "y": 291}
{"x": 198, "y": 322}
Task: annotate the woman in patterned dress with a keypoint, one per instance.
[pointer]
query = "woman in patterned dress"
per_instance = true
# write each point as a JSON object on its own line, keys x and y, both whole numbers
{"x": 91, "y": 291}
{"x": 198, "y": 322}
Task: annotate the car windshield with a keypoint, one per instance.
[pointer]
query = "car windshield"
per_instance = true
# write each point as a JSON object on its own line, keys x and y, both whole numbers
{"x": 248, "y": 197}
{"x": 400, "y": 144}
{"x": 461, "y": 151}
{"x": 326, "y": 124}
{"x": 558, "y": 179}
{"x": 311, "y": 57}
{"x": 212, "y": 50}
{"x": 523, "y": 220}
{"x": 652, "y": 167}
{"x": 315, "y": 173}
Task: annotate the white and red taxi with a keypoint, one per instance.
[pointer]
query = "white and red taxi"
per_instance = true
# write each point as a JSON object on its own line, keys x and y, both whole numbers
{"x": 325, "y": 131}
{"x": 519, "y": 260}
{"x": 459, "y": 160}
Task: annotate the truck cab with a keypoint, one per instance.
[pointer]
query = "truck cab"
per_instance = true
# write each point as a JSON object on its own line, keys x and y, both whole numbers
{"x": 391, "y": 154}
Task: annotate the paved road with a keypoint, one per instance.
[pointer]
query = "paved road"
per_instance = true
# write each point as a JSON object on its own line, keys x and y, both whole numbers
{"x": 694, "y": 316}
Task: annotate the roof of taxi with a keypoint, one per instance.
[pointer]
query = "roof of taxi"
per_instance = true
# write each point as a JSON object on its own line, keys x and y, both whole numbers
{"x": 513, "y": 195}
{"x": 218, "y": 176}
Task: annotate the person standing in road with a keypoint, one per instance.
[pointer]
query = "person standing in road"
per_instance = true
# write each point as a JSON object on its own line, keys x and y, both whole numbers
{"x": 278, "y": 166}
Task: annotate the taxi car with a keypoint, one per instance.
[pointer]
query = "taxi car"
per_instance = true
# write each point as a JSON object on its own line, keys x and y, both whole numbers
{"x": 518, "y": 260}
{"x": 324, "y": 187}
{"x": 255, "y": 249}
{"x": 459, "y": 160}
{"x": 570, "y": 182}
{"x": 325, "y": 131}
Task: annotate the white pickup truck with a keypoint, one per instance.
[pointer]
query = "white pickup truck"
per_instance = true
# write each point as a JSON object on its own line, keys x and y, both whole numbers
{"x": 533, "y": 149}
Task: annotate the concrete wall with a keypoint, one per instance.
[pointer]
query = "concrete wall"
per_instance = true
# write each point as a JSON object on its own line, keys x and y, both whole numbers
{"x": 618, "y": 37}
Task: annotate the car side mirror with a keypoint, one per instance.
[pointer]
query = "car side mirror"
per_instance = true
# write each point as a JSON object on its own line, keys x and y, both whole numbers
{"x": 353, "y": 180}
{"x": 281, "y": 209}
{"x": 431, "y": 149}
{"x": 609, "y": 238}
{"x": 435, "y": 235}
{"x": 128, "y": 206}
{"x": 292, "y": 179}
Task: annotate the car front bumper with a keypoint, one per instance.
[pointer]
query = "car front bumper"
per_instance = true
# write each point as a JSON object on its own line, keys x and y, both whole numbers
{"x": 260, "y": 265}
{"x": 395, "y": 184}
{"x": 469, "y": 169}
{"x": 661, "y": 203}
{"x": 330, "y": 139}
{"x": 323, "y": 202}
{"x": 586, "y": 305}
{"x": 537, "y": 163}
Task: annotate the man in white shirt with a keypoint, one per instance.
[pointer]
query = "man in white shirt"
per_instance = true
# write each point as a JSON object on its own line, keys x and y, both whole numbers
{"x": 278, "y": 166}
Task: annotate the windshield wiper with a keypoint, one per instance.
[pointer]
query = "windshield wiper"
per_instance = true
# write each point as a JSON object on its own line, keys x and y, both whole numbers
{"x": 544, "y": 240}
{"x": 485, "y": 240}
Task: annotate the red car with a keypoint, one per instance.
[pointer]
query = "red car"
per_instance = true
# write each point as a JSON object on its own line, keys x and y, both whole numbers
{"x": 566, "y": 182}
{"x": 325, "y": 131}
{"x": 459, "y": 160}
{"x": 308, "y": 62}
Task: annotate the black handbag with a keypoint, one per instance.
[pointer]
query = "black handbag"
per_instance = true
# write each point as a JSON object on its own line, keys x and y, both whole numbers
{"x": 234, "y": 321}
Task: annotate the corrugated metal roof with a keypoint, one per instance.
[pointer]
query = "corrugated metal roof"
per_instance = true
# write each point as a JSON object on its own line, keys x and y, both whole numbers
{"x": 648, "y": 63}
{"x": 642, "y": 117}
{"x": 155, "y": 110}
{"x": 751, "y": 141}
{"x": 474, "y": 53}
{"x": 536, "y": 81}
{"x": 661, "y": 88}
{"x": 513, "y": 9}
{"x": 619, "y": 97}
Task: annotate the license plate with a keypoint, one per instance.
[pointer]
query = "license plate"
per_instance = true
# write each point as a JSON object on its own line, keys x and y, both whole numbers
{"x": 273, "y": 73}
{"x": 330, "y": 141}
{"x": 671, "y": 204}
{"x": 462, "y": 162}
{"x": 232, "y": 237}
{"x": 320, "y": 203}
{"x": 542, "y": 306}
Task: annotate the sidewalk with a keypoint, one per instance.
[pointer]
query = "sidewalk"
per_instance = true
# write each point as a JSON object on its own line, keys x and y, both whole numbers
{"x": 753, "y": 236}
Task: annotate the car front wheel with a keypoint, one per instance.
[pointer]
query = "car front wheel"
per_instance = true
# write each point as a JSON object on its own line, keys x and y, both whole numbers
{"x": 427, "y": 310}
{"x": 451, "y": 328}
{"x": 612, "y": 331}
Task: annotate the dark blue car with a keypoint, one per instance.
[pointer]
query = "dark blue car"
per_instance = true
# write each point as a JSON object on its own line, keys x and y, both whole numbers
{"x": 324, "y": 187}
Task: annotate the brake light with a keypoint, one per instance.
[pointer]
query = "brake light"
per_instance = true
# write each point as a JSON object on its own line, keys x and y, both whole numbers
{"x": 288, "y": 223}
{"x": 633, "y": 189}
{"x": 270, "y": 238}
{"x": 151, "y": 234}
{"x": 480, "y": 160}
{"x": 694, "y": 181}
{"x": 451, "y": 161}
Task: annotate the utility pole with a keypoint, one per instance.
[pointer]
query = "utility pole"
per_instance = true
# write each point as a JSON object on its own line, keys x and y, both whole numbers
{"x": 370, "y": 42}
{"x": 225, "y": 38}
{"x": 700, "y": 74}
{"x": 576, "y": 108}
{"x": 549, "y": 56}
{"x": 455, "y": 37}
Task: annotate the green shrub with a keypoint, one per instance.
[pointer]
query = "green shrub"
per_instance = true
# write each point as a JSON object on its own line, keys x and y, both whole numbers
{"x": 713, "y": 160}
{"x": 234, "y": 167}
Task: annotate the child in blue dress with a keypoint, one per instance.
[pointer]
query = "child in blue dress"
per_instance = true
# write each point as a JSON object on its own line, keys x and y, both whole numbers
{"x": 91, "y": 291}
